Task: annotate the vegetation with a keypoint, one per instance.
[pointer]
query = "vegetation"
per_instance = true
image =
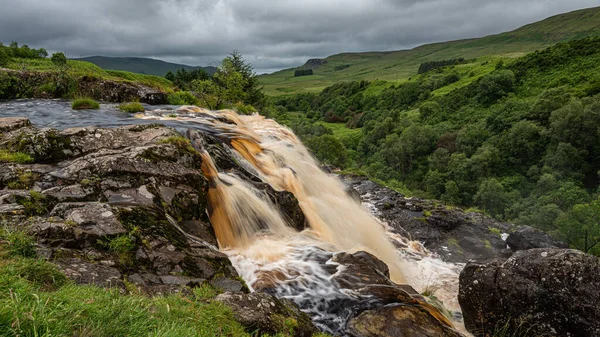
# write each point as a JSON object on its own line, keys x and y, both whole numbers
{"x": 399, "y": 66}
{"x": 519, "y": 140}
{"x": 59, "y": 59}
{"x": 84, "y": 103}
{"x": 183, "y": 78}
{"x": 14, "y": 157}
{"x": 132, "y": 107}
{"x": 303, "y": 72}
{"x": 431, "y": 65}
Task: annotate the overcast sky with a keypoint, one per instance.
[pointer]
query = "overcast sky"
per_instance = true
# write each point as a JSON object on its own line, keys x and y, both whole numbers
{"x": 272, "y": 34}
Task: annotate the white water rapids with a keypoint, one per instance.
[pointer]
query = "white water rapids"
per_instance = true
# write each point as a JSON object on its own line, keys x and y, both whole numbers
{"x": 272, "y": 256}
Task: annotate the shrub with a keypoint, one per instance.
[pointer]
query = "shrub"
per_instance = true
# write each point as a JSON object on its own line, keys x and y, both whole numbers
{"x": 59, "y": 59}
{"x": 84, "y": 103}
{"x": 182, "y": 98}
{"x": 4, "y": 57}
{"x": 244, "y": 109}
{"x": 132, "y": 107}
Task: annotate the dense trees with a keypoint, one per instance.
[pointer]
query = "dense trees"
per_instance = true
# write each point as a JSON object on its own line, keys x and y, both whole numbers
{"x": 303, "y": 72}
{"x": 428, "y": 66}
{"x": 522, "y": 143}
{"x": 24, "y": 51}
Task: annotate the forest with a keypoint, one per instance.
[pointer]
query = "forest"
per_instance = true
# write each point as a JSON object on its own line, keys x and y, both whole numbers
{"x": 520, "y": 143}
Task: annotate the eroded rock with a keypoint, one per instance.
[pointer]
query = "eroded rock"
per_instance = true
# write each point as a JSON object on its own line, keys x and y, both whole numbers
{"x": 544, "y": 292}
{"x": 265, "y": 314}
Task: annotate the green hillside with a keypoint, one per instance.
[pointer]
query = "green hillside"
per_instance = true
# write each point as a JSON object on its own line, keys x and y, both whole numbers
{"x": 139, "y": 65}
{"x": 398, "y": 66}
{"x": 517, "y": 139}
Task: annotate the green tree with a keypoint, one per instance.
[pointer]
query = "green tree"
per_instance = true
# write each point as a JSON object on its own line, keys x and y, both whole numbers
{"x": 4, "y": 57}
{"x": 452, "y": 193}
{"x": 491, "y": 197}
{"x": 59, "y": 59}
{"x": 495, "y": 86}
{"x": 581, "y": 227}
{"x": 328, "y": 149}
{"x": 253, "y": 93}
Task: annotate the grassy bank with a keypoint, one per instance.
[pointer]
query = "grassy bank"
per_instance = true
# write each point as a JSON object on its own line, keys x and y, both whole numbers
{"x": 81, "y": 68}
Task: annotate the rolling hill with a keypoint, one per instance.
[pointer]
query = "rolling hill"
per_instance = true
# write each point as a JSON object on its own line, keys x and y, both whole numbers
{"x": 398, "y": 66}
{"x": 139, "y": 65}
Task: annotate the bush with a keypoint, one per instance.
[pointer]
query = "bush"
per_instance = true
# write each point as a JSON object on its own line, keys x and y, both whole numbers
{"x": 182, "y": 98}
{"x": 84, "y": 103}
{"x": 59, "y": 59}
{"x": 132, "y": 107}
{"x": 4, "y": 57}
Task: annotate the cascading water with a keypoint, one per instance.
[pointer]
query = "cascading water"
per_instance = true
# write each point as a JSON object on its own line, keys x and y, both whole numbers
{"x": 272, "y": 256}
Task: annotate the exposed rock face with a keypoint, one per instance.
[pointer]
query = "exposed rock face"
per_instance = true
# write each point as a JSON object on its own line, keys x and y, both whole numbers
{"x": 314, "y": 63}
{"x": 266, "y": 314}
{"x": 526, "y": 237}
{"x": 30, "y": 84}
{"x": 109, "y": 206}
{"x": 547, "y": 292}
{"x": 454, "y": 235}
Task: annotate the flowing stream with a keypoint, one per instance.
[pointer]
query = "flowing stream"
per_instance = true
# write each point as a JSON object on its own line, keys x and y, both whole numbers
{"x": 266, "y": 251}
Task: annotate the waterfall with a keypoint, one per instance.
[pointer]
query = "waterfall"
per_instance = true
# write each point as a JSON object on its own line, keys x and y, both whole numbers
{"x": 272, "y": 255}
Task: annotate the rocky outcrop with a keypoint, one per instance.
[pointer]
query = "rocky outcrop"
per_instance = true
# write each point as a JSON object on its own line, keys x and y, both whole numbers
{"x": 35, "y": 84}
{"x": 108, "y": 206}
{"x": 537, "y": 292}
{"x": 264, "y": 314}
{"x": 314, "y": 63}
{"x": 526, "y": 237}
{"x": 450, "y": 232}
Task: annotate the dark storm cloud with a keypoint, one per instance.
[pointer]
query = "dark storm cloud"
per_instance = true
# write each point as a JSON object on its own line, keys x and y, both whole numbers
{"x": 271, "y": 34}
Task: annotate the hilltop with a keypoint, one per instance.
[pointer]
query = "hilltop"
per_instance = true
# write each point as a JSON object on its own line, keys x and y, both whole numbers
{"x": 398, "y": 66}
{"x": 140, "y": 65}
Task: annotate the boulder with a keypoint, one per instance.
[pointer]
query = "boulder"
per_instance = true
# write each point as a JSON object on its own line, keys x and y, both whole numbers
{"x": 398, "y": 321}
{"x": 538, "y": 292}
{"x": 262, "y": 313}
{"x": 526, "y": 237}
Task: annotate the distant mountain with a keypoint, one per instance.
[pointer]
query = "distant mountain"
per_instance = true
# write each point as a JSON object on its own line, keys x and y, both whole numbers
{"x": 139, "y": 65}
{"x": 400, "y": 65}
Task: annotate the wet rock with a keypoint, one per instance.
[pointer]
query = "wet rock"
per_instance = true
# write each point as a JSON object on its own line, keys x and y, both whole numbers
{"x": 360, "y": 269}
{"x": 83, "y": 272}
{"x": 265, "y": 314}
{"x": 545, "y": 292}
{"x": 398, "y": 321}
{"x": 526, "y": 237}
{"x": 12, "y": 123}
{"x": 449, "y": 232}
{"x": 229, "y": 285}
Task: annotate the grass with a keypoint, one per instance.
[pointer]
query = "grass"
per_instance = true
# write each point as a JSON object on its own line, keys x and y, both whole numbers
{"x": 15, "y": 157}
{"x": 36, "y": 299}
{"x": 398, "y": 66}
{"x": 82, "y": 68}
{"x": 132, "y": 107}
{"x": 84, "y": 104}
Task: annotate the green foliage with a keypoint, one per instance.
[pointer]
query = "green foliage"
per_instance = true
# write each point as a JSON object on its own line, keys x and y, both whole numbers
{"x": 431, "y": 65}
{"x": 18, "y": 243}
{"x": 7, "y": 156}
{"x": 59, "y": 59}
{"x": 132, "y": 107}
{"x": 303, "y": 72}
{"x": 182, "y": 98}
{"x": 34, "y": 203}
{"x": 84, "y": 103}
{"x": 183, "y": 78}
{"x": 4, "y": 57}
{"x": 520, "y": 142}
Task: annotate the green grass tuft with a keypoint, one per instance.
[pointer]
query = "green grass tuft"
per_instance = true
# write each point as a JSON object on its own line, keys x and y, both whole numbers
{"x": 84, "y": 104}
{"x": 132, "y": 107}
{"x": 15, "y": 157}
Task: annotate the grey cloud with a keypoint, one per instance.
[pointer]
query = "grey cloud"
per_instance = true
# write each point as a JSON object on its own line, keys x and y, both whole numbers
{"x": 271, "y": 34}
